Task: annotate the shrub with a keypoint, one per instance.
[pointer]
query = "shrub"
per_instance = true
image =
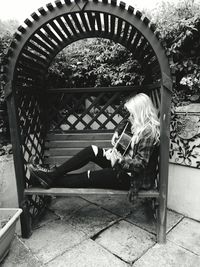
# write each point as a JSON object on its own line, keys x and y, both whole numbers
{"x": 92, "y": 63}
{"x": 4, "y": 127}
{"x": 179, "y": 27}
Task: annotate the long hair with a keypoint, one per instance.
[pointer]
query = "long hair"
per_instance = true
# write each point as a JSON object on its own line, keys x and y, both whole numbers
{"x": 143, "y": 117}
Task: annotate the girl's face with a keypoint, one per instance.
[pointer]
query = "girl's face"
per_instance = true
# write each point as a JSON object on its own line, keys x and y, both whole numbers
{"x": 131, "y": 117}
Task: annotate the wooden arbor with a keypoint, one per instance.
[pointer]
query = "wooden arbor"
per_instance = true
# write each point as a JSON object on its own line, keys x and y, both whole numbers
{"x": 34, "y": 47}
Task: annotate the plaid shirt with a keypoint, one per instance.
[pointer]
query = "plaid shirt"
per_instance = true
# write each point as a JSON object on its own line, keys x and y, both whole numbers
{"x": 142, "y": 159}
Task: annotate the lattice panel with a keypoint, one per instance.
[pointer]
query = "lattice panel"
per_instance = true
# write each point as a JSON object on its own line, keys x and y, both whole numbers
{"x": 101, "y": 110}
{"x": 31, "y": 128}
{"x": 86, "y": 111}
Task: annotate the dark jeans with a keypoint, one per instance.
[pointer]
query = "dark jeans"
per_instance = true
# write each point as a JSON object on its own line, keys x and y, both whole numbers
{"x": 105, "y": 178}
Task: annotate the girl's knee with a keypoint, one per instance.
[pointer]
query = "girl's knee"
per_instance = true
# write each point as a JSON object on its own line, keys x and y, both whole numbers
{"x": 95, "y": 149}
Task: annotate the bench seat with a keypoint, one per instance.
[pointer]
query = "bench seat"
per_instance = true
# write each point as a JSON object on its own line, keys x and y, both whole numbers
{"x": 60, "y": 147}
{"x": 87, "y": 191}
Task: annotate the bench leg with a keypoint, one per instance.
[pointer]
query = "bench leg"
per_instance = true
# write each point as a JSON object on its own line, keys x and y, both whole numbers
{"x": 161, "y": 221}
{"x": 26, "y": 220}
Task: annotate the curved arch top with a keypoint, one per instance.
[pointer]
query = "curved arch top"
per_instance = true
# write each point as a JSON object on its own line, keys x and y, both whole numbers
{"x": 51, "y": 29}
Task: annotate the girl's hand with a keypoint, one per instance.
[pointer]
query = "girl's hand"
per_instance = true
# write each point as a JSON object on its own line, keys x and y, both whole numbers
{"x": 114, "y": 138}
{"x": 115, "y": 157}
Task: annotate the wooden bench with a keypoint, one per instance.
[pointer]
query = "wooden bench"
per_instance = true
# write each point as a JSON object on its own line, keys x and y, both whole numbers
{"x": 60, "y": 147}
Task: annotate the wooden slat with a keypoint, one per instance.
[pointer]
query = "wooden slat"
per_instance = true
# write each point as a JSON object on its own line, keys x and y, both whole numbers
{"x": 80, "y": 136}
{"x": 31, "y": 55}
{"x": 106, "y": 89}
{"x": 64, "y": 28}
{"x": 76, "y": 144}
{"x": 106, "y": 26}
{"x": 135, "y": 42}
{"x": 51, "y": 34}
{"x": 125, "y": 32}
{"x": 57, "y": 30}
{"x": 42, "y": 44}
{"x": 46, "y": 39}
{"x": 25, "y": 76}
{"x": 112, "y": 25}
{"x": 139, "y": 47}
{"x": 56, "y": 160}
{"x": 71, "y": 26}
{"x": 98, "y": 20}
{"x": 87, "y": 191}
{"x": 31, "y": 61}
{"x": 38, "y": 50}
{"x": 91, "y": 20}
{"x": 84, "y": 21}
{"x": 131, "y": 36}
{"x": 62, "y": 151}
{"x": 119, "y": 28}
{"x": 77, "y": 23}
{"x": 27, "y": 67}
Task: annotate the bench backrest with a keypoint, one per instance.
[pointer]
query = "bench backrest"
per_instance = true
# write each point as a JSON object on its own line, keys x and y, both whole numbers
{"x": 60, "y": 147}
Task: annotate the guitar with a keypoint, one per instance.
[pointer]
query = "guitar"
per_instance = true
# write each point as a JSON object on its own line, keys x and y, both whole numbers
{"x": 120, "y": 148}
{"x": 123, "y": 142}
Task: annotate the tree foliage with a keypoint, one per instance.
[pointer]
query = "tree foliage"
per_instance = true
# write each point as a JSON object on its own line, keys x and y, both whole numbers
{"x": 179, "y": 27}
{"x": 4, "y": 129}
{"x": 92, "y": 63}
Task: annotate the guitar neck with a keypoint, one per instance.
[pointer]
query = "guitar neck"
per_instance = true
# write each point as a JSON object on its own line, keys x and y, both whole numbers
{"x": 124, "y": 141}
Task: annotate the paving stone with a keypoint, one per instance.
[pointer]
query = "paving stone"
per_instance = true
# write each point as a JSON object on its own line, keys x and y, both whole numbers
{"x": 173, "y": 219}
{"x": 52, "y": 240}
{"x": 125, "y": 240}
{"x": 187, "y": 235}
{"x": 92, "y": 219}
{"x": 19, "y": 255}
{"x": 46, "y": 218}
{"x": 87, "y": 254}
{"x": 66, "y": 206}
{"x": 142, "y": 216}
{"x": 116, "y": 204}
{"x": 168, "y": 255}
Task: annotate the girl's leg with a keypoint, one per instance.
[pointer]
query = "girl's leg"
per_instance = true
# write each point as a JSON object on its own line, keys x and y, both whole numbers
{"x": 47, "y": 177}
{"x": 105, "y": 178}
{"x": 90, "y": 153}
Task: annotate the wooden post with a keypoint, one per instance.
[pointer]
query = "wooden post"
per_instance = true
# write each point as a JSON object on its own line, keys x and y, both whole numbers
{"x": 18, "y": 158}
{"x": 164, "y": 164}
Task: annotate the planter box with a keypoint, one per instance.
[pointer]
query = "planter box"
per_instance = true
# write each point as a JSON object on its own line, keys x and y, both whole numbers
{"x": 8, "y": 188}
{"x": 10, "y": 216}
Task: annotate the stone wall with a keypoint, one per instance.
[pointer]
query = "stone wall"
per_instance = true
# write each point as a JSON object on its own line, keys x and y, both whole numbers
{"x": 185, "y": 136}
{"x": 184, "y": 167}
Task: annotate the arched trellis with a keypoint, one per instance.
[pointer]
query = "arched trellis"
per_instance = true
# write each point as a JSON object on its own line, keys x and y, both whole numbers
{"x": 34, "y": 47}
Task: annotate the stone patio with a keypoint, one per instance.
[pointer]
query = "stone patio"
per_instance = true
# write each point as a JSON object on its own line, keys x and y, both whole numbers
{"x": 94, "y": 231}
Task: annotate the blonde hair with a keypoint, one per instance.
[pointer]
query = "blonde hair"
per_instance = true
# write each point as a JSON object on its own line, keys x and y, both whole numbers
{"x": 143, "y": 117}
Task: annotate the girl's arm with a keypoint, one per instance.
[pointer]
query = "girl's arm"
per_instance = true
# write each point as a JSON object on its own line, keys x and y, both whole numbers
{"x": 140, "y": 160}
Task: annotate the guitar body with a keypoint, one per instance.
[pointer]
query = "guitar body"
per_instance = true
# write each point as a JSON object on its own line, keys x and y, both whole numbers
{"x": 122, "y": 144}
